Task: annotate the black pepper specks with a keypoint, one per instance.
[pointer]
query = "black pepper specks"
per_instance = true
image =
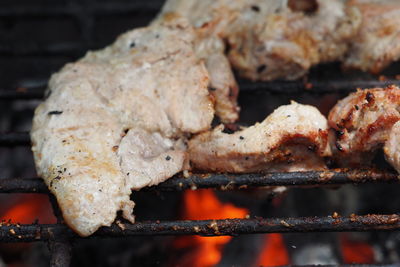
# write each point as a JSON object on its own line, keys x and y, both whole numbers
{"x": 55, "y": 178}
{"x": 132, "y": 45}
{"x": 356, "y": 107}
{"x": 212, "y": 89}
{"x": 339, "y": 146}
{"x": 369, "y": 97}
{"x": 255, "y": 8}
{"x": 261, "y": 68}
{"x": 168, "y": 158}
{"x": 241, "y": 137}
{"x": 312, "y": 147}
{"x": 55, "y": 112}
{"x": 339, "y": 134}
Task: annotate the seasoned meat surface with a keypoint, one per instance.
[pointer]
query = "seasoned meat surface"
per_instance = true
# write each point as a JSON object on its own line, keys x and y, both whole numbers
{"x": 377, "y": 42}
{"x": 117, "y": 119}
{"x": 294, "y": 137}
{"x": 223, "y": 87}
{"x": 362, "y": 123}
{"x": 392, "y": 148}
{"x": 277, "y": 39}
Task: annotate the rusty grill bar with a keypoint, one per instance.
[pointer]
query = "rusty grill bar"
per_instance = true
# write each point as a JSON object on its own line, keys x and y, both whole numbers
{"x": 233, "y": 181}
{"x": 45, "y": 232}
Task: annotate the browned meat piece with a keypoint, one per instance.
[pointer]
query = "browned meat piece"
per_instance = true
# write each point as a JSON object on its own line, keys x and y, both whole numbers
{"x": 377, "y": 43}
{"x": 117, "y": 119}
{"x": 362, "y": 123}
{"x": 275, "y": 39}
{"x": 292, "y": 138}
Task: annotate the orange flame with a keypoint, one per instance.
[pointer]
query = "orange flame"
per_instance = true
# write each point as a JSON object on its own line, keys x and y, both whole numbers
{"x": 204, "y": 205}
{"x": 356, "y": 251}
{"x": 28, "y": 208}
{"x": 274, "y": 252}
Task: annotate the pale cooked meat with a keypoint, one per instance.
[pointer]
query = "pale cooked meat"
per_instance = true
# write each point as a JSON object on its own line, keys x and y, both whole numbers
{"x": 362, "y": 122}
{"x": 116, "y": 120}
{"x": 223, "y": 86}
{"x": 392, "y": 148}
{"x": 281, "y": 43}
{"x": 149, "y": 158}
{"x": 275, "y": 39}
{"x": 294, "y": 137}
{"x": 377, "y": 43}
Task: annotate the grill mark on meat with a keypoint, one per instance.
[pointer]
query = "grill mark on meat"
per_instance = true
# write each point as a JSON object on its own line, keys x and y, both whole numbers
{"x": 259, "y": 147}
{"x": 366, "y": 118}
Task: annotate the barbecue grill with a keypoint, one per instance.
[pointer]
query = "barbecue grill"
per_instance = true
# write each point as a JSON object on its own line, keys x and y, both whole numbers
{"x": 85, "y": 15}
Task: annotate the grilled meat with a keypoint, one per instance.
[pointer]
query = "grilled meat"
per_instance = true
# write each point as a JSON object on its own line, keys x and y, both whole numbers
{"x": 391, "y": 147}
{"x": 293, "y": 138}
{"x": 362, "y": 122}
{"x": 117, "y": 120}
{"x": 222, "y": 86}
{"x": 377, "y": 42}
{"x": 274, "y": 39}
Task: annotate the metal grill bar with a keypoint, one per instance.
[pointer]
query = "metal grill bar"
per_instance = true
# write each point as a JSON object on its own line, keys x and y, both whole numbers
{"x": 315, "y": 87}
{"x": 60, "y": 49}
{"x": 284, "y": 87}
{"x": 99, "y": 8}
{"x": 233, "y": 181}
{"x": 15, "y": 139}
{"x": 353, "y": 223}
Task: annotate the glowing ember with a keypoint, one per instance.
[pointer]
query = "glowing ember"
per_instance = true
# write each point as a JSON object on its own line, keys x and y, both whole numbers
{"x": 356, "y": 251}
{"x": 28, "y": 208}
{"x": 204, "y": 205}
{"x": 274, "y": 252}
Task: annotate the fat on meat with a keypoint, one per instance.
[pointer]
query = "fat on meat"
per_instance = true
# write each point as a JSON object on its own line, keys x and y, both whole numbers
{"x": 293, "y": 138}
{"x": 118, "y": 120}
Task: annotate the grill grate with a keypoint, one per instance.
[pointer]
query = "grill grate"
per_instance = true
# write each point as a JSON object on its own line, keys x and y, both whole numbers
{"x": 232, "y": 227}
{"x": 233, "y": 181}
{"x": 60, "y": 236}
{"x": 314, "y": 87}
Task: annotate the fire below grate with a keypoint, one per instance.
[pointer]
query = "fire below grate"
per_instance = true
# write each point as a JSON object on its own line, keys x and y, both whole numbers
{"x": 60, "y": 236}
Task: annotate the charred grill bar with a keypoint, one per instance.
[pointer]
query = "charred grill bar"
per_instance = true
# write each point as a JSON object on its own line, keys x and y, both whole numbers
{"x": 31, "y": 233}
{"x": 315, "y": 87}
{"x": 232, "y": 181}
